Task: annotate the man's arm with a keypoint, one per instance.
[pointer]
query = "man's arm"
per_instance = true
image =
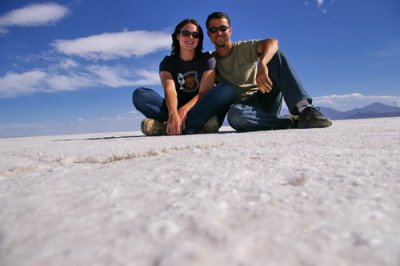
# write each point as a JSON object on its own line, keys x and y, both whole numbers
{"x": 266, "y": 49}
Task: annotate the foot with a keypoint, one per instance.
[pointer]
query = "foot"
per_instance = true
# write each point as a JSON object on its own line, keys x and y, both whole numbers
{"x": 151, "y": 127}
{"x": 211, "y": 126}
{"x": 311, "y": 117}
{"x": 294, "y": 119}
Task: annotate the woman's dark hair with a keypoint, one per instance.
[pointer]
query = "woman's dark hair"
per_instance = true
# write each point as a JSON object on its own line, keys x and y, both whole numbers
{"x": 175, "y": 43}
{"x": 218, "y": 15}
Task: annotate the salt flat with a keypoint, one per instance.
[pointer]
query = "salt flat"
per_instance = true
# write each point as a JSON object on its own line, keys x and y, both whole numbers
{"x": 291, "y": 197}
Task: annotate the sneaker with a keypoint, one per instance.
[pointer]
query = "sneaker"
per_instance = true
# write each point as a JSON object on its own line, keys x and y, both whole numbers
{"x": 211, "y": 126}
{"x": 295, "y": 120}
{"x": 151, "y": 127}
{"x": 311, "y": 117}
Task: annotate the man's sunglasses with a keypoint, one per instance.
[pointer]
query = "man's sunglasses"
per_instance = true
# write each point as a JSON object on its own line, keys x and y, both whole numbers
{"x": 187, "y": 33}
{"x": 222, "y": 28}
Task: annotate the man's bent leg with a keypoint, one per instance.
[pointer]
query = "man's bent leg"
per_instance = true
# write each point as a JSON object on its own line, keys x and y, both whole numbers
{"x": 286, "y": 80}
{"x": 242, "y": 117}
{"x": 215, "y": 102}
{"x": 259, "y": 112}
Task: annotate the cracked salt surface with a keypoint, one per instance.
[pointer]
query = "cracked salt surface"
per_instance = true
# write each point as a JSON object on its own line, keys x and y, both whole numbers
{"x": 292, "y": 197}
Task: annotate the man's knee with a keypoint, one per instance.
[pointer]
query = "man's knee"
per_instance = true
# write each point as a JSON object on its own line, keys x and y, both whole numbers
{"x": 224, "y": 92}
{"x": 235, "y": 117}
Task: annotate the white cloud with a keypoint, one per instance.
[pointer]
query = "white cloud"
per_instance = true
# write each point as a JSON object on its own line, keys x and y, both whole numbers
{"x": 111, "y": 76}
{"x": 33, "y": 15}
{"x": 354, "y": 100}
{"x": 115, "y": 45}
{"x": 16, "y": 84}
{"x": 321, "y": 4}
{"x": 13, "y": 84}
{"x": 68, "y": 64}
{"x": 58, "y": 78}
{"x": 118, "y": 76}
{"x": 147, "y": 77}
{"x": 72, "y": 82}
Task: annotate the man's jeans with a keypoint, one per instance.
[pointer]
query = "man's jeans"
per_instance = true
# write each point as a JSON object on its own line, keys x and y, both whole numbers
{"x": 261, "y": 110}
{"x": 215, "y": 102}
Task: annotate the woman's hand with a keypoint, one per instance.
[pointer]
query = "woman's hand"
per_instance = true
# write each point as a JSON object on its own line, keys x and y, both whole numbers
{"x": 174, "y": 125}
{"x": 182, "y": 114}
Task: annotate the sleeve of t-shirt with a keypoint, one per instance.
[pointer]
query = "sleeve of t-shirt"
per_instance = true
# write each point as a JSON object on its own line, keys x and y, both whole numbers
{"x": 165, "y": 64}
{"x": 248, "y": 50}
{"x": 208, "y": 61}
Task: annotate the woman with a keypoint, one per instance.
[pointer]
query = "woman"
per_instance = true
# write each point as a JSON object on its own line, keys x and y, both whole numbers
{"x": 191, "y": 105}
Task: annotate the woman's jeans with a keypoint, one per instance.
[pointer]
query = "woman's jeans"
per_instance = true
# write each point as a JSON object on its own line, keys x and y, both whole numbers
{"x": 260, "y": 111}
{"x": 215, "y": 102}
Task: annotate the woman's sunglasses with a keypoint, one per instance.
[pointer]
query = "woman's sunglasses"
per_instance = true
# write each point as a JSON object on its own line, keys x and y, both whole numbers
{"x": 222, "y": 28}
{"x": 187, "y": 33}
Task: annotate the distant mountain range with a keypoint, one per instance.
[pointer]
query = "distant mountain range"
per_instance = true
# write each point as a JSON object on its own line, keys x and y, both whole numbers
{"x": 373, "y": 110}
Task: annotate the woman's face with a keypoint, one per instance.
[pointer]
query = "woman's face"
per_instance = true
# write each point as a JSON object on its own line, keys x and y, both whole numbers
{"x": 188, "y": 42}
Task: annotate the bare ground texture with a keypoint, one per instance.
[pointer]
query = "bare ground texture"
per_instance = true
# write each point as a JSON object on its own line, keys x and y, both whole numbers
{"x": 291, "y": 197}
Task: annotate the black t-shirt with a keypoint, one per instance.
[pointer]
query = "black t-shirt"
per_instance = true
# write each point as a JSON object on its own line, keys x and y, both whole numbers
{"x": 187, "y": 74}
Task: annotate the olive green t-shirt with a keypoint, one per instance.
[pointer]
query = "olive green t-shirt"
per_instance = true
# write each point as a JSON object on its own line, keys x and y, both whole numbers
{"x": 240, "y": 68}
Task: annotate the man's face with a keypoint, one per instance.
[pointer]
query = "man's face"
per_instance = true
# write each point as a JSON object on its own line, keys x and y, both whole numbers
{"x": 219, "y": 31}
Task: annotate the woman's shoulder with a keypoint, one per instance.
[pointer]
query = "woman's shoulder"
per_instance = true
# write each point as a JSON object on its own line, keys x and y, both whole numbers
{"x": 206, "y": 55}
{"x": 168, "y": 58}
{"x": 167, "y": 63}
{"x": 208, "y": 60}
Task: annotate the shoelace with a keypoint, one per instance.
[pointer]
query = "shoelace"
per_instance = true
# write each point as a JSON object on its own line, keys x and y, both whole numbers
{"x": 316, "y": 111}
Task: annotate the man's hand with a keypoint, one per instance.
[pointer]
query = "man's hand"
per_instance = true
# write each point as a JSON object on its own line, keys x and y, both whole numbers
{"x": 263, "y": 81}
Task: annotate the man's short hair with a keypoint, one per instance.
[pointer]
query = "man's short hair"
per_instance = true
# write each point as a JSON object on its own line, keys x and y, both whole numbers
{"x": 218, "y": 15}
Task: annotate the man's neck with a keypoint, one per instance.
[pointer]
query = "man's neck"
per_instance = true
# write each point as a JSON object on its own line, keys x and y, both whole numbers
{"x": 225, "y": 50}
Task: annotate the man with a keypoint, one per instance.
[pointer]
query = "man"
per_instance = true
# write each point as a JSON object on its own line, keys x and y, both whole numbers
{"x": 261, "y": 76}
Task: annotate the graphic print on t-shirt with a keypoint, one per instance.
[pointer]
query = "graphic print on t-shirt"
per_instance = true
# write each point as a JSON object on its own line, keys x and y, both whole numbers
{"x": 188, "y": 81}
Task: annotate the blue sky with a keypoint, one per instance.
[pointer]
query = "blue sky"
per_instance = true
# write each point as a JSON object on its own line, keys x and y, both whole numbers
{"x": 71, "y": 66}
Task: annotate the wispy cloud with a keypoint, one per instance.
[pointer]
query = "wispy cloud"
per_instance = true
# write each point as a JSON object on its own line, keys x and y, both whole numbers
{"x": 13, "y": 84}
{"x": 68, "y": 64}
{"x": 60, "y": 78}
{"x": 111, "y": 76}
{"x": 64, "y": 73}
{"x": 33, "y": 15}
{"x": 391, "y": 50}
{"x": 147, "y": 77}
{"x": 321, "y": 4}
{"x": 119, "y": 76}
{"x": 115, "y": 45}
{"x": 34, "y": 81}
